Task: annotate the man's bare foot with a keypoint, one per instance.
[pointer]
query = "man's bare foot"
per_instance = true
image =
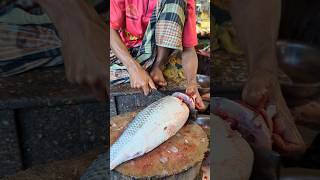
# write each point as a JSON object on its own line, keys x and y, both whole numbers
{"x": 157, "y": 77}
{"x": 285, "y": 135}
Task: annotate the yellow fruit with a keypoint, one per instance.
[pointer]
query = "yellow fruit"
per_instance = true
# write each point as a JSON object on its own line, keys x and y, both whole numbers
{"x": 227, "y": 37}
{"x": 181, "y": 74}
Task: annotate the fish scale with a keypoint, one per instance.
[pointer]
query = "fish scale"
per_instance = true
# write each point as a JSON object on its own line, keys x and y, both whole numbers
{"x": 133, "y": 142}
{"x": 134, "y": 126}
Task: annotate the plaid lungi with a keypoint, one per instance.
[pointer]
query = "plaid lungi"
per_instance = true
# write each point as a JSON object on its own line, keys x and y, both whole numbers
{"x": 28, "y": 39}
{"x": 164, "y": 29}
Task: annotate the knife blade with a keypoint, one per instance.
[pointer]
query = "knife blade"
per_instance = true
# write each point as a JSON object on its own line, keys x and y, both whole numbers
{"x": 155, "y": 93}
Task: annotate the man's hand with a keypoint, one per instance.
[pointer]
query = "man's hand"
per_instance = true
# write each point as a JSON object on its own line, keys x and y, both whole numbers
{"x": 84, "y": 42}
{"x": 285, "y": 135}
{"x": 192, "y": 91}
{"x": 190, "y": 67}
{"x": 85, "y": 56}
{"x": 140, "y": 79}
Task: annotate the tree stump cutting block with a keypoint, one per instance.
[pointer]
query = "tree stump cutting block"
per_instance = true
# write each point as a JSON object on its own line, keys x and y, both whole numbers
{"x": 178, "y": 158}
{"x": 231, "y": 152}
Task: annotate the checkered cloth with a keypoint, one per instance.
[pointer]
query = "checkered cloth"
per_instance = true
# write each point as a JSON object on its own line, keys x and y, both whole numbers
{"x": 30, "y": 40}
{"x": 25, "y": 47}
{"x": 165, "y": 29}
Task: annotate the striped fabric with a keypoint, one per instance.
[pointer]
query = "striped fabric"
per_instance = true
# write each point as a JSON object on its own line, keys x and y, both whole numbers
{"x": 26, "y": 5}
{"x": 165, "y": 29}
{"x": 25, "y": 47}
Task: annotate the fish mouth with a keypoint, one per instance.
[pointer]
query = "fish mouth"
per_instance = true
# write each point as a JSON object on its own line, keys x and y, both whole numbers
{"x": 189, "y": 101}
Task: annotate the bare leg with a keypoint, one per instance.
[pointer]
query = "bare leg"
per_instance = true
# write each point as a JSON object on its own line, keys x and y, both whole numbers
{"x": 158, "y": 66}
{"x": 257, "y": 23}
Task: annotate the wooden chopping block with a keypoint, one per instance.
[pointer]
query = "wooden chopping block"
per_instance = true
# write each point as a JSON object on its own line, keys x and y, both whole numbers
{"x": 231, "y": 152}
{"x": 178, "y": 158}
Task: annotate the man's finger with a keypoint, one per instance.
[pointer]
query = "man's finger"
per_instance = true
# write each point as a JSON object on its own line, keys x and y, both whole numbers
{"x": 99, "y": 89}
{"x": 199, "y": 103}
{"x": 190, "y": 91}
{"x": 206, "y": 97}
{"x": 262, "y": 102}
{"x": 146, "y": 89}
{"x": 162, "y": 83}
{"x": 151, "y": 84}
{"x": 100, "y": 94}
{"x": 131, "y": 83}
{"x": 135, "y": 85}
{"x": 287, "y": 148}
{"x": 253, "y": 96}
{"x": 141, "y": 91}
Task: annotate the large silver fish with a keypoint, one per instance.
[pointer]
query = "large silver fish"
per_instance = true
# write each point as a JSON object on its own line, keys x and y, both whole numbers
{"x": 151, "y": 127}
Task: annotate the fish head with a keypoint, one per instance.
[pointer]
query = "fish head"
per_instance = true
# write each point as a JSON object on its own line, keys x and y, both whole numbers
{"x": 189, "y": 101}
